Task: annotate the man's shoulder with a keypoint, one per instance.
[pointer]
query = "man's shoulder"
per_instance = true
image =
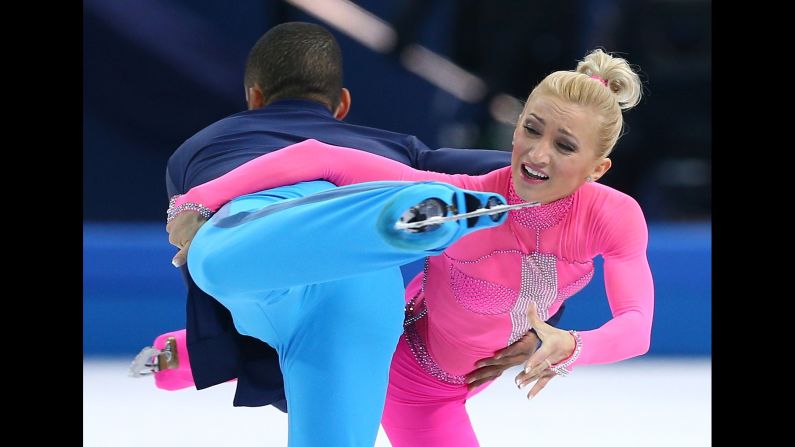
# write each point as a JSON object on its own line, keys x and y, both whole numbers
{"x": 279, "y": 125}
{"x": 237, "y": 138}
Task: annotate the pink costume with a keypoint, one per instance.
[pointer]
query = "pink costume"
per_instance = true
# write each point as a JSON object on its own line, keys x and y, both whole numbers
{"x": 477, "y": 292}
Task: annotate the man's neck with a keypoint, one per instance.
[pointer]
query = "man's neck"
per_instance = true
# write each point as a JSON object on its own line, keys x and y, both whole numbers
{"x": 315, "y": 100}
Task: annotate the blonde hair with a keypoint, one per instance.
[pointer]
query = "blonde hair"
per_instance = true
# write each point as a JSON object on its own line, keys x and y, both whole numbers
{"x": 586, "y": 86}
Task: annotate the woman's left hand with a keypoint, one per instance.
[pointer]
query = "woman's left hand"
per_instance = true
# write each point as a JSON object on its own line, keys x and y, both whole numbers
{"x": 556, "y": 345}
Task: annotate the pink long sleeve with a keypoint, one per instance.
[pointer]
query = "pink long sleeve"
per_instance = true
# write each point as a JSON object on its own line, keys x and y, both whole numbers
{"x": 601, "y": 221}
{"x": 306, "y": 161}
{"x": 629, "y": 287}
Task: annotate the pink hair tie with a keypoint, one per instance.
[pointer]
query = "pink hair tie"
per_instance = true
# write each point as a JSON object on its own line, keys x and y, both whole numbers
{"x": 602, "y": 80}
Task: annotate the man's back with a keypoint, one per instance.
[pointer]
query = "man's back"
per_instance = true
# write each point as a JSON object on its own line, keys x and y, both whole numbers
{"x": 234, "y": 140}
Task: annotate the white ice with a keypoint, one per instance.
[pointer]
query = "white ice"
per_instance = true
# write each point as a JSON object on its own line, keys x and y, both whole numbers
{"x": 642, "y": 402}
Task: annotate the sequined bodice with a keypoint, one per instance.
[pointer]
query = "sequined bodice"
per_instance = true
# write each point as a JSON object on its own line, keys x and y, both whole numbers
{"x": 481, "y": 288}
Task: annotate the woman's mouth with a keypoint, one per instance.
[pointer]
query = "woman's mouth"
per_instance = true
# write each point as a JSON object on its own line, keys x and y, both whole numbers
{"x": 533, "y": 176}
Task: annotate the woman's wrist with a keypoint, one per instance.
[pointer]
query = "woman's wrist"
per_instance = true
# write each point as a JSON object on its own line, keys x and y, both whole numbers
{"x": 563, "y": 367}
{"x": 175, "y": 209}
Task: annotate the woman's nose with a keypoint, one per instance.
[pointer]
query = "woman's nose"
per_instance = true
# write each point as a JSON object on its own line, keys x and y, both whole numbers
{"x": 539, "y": 153}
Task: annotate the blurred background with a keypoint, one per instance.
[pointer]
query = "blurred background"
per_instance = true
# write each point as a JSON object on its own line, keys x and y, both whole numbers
{"x": 453, "y": 73}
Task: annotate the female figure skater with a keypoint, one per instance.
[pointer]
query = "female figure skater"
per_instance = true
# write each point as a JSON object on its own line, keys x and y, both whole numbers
{"x": 487, "y": 288}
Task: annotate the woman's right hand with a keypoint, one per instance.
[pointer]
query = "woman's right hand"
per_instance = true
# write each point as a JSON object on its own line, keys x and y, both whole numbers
{"x": 181, "y": 231}
{"x": 556, "y": 346}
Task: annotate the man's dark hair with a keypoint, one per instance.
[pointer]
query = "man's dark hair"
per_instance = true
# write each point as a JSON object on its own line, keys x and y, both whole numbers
{"x": 296, "y": 60}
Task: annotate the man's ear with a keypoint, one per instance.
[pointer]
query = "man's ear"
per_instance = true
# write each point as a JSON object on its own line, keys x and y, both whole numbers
{"x": 345, "y": 104}
{"x": 254, "y": 97}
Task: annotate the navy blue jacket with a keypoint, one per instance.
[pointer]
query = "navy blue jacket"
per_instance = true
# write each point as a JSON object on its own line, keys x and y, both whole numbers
{"x": 217, "y": 351}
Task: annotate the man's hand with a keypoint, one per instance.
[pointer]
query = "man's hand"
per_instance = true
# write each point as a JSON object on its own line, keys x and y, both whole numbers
{"x": 181, "y": 231}
{"x": 493, "y": 367}
{"x": 556, "y": 345}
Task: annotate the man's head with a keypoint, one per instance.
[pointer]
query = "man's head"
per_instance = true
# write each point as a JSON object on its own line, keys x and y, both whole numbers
{"x": 296, "y": 60}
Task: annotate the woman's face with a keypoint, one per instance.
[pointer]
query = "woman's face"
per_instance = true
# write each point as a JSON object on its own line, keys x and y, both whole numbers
{"x": 554, "y": 149}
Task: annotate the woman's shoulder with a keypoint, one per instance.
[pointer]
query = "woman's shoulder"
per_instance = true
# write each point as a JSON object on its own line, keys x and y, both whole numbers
{"x": 605, "y": 208}
{"x": 605, "y": 197}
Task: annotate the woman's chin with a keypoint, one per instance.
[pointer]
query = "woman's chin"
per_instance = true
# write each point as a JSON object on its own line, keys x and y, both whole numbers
{"x": 529, "y": 192}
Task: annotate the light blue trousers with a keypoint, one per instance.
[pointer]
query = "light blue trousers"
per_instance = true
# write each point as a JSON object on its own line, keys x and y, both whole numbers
{"x": 313, "y": 270}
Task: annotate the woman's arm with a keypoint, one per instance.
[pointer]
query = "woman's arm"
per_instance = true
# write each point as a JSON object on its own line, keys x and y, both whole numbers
{"x": 305, "y": 161}
{"x": 630, "y": 292}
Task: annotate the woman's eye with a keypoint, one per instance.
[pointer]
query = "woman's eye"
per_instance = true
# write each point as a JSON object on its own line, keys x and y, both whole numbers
{"x": 566, "y": 147}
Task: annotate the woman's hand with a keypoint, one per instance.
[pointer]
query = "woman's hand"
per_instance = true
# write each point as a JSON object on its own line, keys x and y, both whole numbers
{"x": 556, "y": 346}
{"x": 181, "y": 231}
{"x": 491, "y": 368}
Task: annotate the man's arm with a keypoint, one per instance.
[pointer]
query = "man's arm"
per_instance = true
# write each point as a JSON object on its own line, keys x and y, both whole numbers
{"x": 462, "y": 161}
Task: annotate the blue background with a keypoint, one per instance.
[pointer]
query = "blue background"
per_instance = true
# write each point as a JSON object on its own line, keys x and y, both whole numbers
{"x": 132, "y": 293}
